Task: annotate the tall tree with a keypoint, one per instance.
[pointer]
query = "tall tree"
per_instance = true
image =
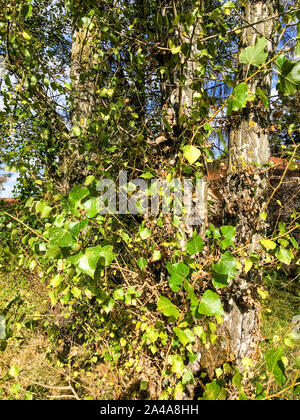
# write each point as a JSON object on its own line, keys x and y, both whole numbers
{"x": 249, "y": 146}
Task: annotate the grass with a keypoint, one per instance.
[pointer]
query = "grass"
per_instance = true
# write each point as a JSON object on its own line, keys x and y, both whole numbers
{"x": 278, "y": 310}
{"x": 29, "y": 369}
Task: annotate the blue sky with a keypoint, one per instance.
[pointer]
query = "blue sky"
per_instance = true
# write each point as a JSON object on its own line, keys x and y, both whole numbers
{"x": 8, "y": 186}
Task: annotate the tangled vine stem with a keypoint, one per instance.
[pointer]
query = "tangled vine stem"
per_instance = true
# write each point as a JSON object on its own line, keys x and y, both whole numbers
{"x": 282, "y": 391}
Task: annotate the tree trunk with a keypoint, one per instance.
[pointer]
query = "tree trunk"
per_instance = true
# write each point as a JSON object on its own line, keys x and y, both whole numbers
{"x": 84, "y": 79}
{"x": 177, "y": 103}
{"x": 245, "y": 187}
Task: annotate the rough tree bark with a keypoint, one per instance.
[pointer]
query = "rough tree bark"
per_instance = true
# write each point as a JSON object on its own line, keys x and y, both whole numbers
{"x": 177, "y": 103}
{"x": 75, "y": 166}
{"x": 244, "y": 191}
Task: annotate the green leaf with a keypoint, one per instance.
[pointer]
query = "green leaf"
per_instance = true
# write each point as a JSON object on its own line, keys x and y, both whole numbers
{"x": 76, "y": 228}
{"x": 195, "y": 245}
{"x": 288, "y": 75}
{"x": 14, "y": 371}
{"x": 264, "y": 98}
{"x": 191, "y": 153}
{"x": 210, "y": 304}
{"x": 185, "y": 336}
{"x": 188, "y": 377}
{"x": 174, "y": 49}
{"x": 53, "y": 251}
{"x": 76, "y": 130}
{"x": 193, "y": 298}
{"x": 248, "y": 265}
{"x": 145, "y": 233}
{"x": 284, "y": 255}
{"x": 77, "y": 194}
{"x": 61, "y": 237}
{"x": 143, "y": 385}
{"x": 156, "y": 255}
{"x": 297, "y": 47}
{"x": 27, "y": 11}
{"x": 176, "y": 362}
{"x": 57, "y": 280}
{"x": 76, "y": 292}
{"x": 178, "y": 273}
{"x": 255, "y": 55}
{"x": 106, "y": 254}
{"x": 93, "y": 207}
{"x": 87, "y": 263}
{"x": 268, "y": 244}
{"x": 238, "y": 98}
{"x": 229, "y": 236}
{"x": 167, "y": 308}
{"x": 46, "y": 212}
{"x": 237, "y": 380}
{"x": 224, "y": 270}
{"x": 89, "y": 180}
{"x": 142, "y": 263}
{"x": 215, "y": 391}
{"x": 274, "y": 363}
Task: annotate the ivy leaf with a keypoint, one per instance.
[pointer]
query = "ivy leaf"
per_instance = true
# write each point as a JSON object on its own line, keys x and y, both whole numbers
{"x": 215, "y": 391}
{"x": 210, "y": 304}
{"x": 268, "y": 244}
{"x": 184, "y": 336}
{"x": 297, "y": 48}
{"x": 145, "y": 233}
{"x": 288, "y": 76}
{"x": 284, "y": 255}
{"x": 193, "y": 298}
{"x": 191, "y": 153}
{"x": 255, "y": 55}
{"x": 174, "y": 49}
{"x": 142, "y": 263}
{"x": 77, "y": 194}
{"x": 106, "y": 254}
{"x": 93, "y": 207}
{"x": 274, "y": 363}
{"x": 224, "y": 270}
{"x": 229, "y": 236}
{"x": 226, "y": 265}
{"x": 294, "y": 74}
{"x": 263, "y": 97}
{"x": 87, "y": 263}
{"x": 167, "y": 308}
{"x": 14, "y": 371}
{"x": 195, "y": 245}
{"x": 61, "y": 237}
{"x": 188, "y": 377}
{"x": 27, "y": 11}
{"x": 26, "y": 35}
{"x": 178, "y": 273}
{"x": 238, "y": 98}
{"x": 76, "y": 228}
{"x": 248, "y": 265}
{"x": 46, "y": 212}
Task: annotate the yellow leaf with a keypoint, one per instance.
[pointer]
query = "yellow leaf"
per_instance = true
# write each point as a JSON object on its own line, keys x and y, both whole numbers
{"x": 26, "y": 35}
{"x": 263, "y": 294}
{"x": 248, "y": 265}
